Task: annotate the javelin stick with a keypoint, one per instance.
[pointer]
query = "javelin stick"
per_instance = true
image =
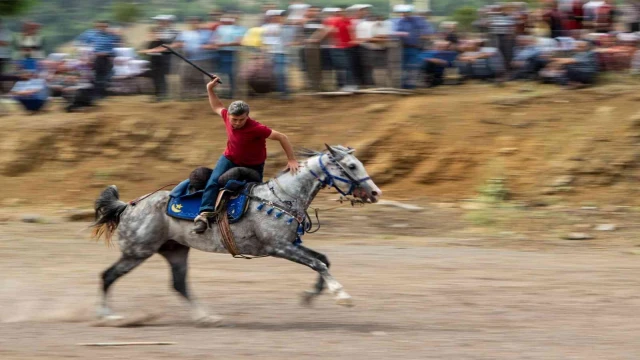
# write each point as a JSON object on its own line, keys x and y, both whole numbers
{"x": 190, "y": 63}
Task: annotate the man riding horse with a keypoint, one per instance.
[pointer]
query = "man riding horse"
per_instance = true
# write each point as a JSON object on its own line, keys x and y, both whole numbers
{"x": 246, "y": 147}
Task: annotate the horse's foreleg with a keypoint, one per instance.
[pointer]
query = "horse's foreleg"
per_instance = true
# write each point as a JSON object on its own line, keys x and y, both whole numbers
{"x": 303, "y": 256}
{"x": 309, "y": 296}
{"x": 109, "y": 276}
{"x": 177, "y": 256}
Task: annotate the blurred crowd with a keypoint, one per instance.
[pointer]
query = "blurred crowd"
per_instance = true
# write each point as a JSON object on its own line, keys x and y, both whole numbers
{"x": 568, "y": 42}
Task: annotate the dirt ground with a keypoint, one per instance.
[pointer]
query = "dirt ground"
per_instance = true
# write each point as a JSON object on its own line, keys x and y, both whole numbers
{"x": 481, "y": 270}
{"x": 416, "y": 298}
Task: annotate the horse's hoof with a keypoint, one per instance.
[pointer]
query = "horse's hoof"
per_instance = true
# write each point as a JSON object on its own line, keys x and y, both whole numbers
{"x": 307, "y": 297}
{"x": 344, "y": 299}
{"x": 208, "y": 321}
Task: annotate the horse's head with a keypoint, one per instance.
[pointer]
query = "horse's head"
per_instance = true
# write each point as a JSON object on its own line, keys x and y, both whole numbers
{"x": 345, "y": 173}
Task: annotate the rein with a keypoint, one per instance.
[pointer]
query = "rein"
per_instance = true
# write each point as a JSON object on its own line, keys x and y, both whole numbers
{"x": 307, "y": 223}
{"x": 330, "y": 179}
{"x": 136, "y": 201}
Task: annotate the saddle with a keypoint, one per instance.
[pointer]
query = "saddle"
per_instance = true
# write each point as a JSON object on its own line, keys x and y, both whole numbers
{"x": 186, "y": 197}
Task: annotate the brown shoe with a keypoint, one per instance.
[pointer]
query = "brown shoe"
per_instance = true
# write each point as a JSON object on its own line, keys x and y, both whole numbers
{"x": 202, "y": 222}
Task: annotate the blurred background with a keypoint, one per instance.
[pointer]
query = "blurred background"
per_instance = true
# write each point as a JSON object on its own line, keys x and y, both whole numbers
{"x": 504, "y": 136}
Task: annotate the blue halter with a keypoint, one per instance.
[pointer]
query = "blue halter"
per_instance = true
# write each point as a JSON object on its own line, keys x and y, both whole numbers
{"x": 331, "y": 179}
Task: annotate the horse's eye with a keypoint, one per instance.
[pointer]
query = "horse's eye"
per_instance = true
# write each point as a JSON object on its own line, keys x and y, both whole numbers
{"x": 352, "y": 166}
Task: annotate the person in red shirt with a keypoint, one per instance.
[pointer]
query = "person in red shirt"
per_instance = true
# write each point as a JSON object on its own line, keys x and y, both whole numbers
{"x": 246, "y": 147}
{"x": 341, "y": 29}
{"x": 604, "y": 18}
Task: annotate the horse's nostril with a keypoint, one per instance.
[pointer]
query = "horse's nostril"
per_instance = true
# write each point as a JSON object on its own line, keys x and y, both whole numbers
{"x": 374, "y": 193}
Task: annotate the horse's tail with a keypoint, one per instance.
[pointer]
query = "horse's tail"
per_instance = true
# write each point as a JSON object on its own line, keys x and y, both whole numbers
{"x": 108, "y": 210}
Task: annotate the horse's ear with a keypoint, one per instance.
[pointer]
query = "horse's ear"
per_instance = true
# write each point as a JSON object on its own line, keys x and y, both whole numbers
{"x": 336, "y": 154}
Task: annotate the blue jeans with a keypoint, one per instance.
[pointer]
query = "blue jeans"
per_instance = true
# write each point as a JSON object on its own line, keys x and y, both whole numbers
{"x": 226, "y": 61}
{"x": 280, "y": 72}
{"x": 410, "y": 58}
{"x": 30, "y": 103}
{"x": 210, "y": 194}
{"x": 342, "y": 63}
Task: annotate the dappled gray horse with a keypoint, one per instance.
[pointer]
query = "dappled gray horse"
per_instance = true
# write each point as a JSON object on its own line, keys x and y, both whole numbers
{"x": 146, "y": 229}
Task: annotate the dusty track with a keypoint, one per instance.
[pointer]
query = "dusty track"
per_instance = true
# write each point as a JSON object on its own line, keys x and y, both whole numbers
{"x": 416, "y": 299}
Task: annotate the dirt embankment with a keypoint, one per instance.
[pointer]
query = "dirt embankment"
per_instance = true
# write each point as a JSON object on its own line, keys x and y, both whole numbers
{"x": 445, "y": 145}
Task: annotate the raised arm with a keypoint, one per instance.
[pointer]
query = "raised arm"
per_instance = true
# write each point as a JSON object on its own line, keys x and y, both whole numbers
{"x": 216, "y": 105}
{"x": 292, "y": 163}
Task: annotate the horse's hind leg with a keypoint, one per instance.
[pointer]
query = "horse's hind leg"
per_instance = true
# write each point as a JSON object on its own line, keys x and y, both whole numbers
{"x": 125, "y": 264}
{"x": 303, "y": 256}
{"x": 177, "y": 256}
{"x": 309, "y": 296}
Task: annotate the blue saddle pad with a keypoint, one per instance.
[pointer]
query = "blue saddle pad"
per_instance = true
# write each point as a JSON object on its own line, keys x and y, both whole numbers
{"x": 186, "y": 206}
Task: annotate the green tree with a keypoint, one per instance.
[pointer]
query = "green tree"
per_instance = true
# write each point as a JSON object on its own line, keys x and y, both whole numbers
{"x": 126, "y": 12}
{"x": 465, "y": 16}
{"x": 14, "y": 7}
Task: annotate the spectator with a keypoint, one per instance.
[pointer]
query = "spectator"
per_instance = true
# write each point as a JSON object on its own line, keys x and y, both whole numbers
{"x": 252, "y": 39}
{"x": 103, "y": 41}
{"x": 605, "y": 17}
{"x": 590, "y": 10}
{"x": 482, "y": 63}
{"x": 277, "y": 37}
{"x": 580, "y": 69}
{"x": 450, "y": 32}
{"x": 526, "y": 62}
{"x": 502, "y": 27}
{"x": 341, "y": 30}
{"x": 228, "y": 39}
{"x": 436, "y": 61}
{"x": 214, "y": 20}
{"x": 29, "y": 42}
{"x": 194, "y": 43}
{"x": 5, "y": 48}
{"x": 310, "y": 25}
{"x": 372, "y": 33}
{"x": 616, "y": 53}
{"x": 31, "y": 92}
{"x": 411, "y": 31}
{"x": 634, "y": 15}
{"x": 358, "y": 14}
{"x": 554, "y": 19}
{"x": 158, "y": 64}
{"x": 635, "y": 63}
{"x": 88, "y": 36}
{"x": 76, "y": 90}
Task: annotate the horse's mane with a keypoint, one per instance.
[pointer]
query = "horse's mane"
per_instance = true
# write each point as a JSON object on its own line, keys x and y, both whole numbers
{"x": 305, "y": 153}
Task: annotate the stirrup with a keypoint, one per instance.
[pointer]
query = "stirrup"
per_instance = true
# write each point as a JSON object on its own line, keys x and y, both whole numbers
{"x": 203, "y": 219}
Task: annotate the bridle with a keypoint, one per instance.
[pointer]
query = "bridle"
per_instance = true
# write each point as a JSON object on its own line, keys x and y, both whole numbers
{"x": 330, "y": 179}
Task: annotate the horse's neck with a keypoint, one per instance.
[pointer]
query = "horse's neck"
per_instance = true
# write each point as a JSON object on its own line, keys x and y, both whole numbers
{"x": 300, "y": 188}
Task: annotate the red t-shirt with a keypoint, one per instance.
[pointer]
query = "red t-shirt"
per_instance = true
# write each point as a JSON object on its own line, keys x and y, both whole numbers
{"x": 342, "y": 35}
{"x": 246, "y": 146}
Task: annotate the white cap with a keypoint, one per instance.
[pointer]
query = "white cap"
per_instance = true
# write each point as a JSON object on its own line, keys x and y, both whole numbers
{"x": 164, "y": 18}
{"x": 274, "y": 12}
{"x": 403, "y": 8}
{"x": 299, "y": 6}
{"x": 331, "y": 9}
{"x": 359, "y": 7}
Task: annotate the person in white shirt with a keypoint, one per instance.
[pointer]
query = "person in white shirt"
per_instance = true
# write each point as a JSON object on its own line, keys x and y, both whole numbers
{"x": 5, "y": 48}
{"x": 276, "y": 37}
{"x": 372, "y": 33}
